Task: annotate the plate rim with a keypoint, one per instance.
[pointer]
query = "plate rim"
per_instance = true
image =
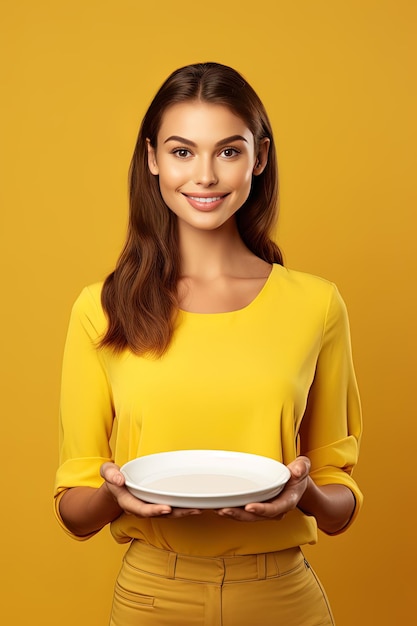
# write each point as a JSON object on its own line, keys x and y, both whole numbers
{"x": 207, "y": 496}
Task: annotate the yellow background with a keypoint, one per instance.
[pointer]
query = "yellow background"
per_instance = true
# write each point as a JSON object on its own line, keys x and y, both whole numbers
{"x": 339, "y": 82}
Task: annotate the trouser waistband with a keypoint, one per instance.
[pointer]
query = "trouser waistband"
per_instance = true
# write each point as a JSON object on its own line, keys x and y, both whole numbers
{"x": 212, "y": 569}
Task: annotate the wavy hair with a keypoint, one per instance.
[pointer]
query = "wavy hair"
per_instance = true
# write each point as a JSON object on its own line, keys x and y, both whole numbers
{"x": 140, "y": 295}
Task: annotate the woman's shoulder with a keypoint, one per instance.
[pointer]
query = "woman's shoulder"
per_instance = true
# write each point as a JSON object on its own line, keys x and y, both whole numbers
{"x": 90, "y": 296}
{"x": 88, "y": 307}
{"x": 311, "y": 292}
{"x": 302, "y": 281}
{"x": 305, "y": 296}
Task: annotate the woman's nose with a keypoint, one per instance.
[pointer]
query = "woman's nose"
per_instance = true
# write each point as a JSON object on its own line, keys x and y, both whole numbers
{"x": 205, "y": 173}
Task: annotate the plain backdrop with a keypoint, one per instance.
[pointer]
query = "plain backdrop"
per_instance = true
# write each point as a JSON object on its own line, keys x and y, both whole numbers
{"x": 339, "y": 82}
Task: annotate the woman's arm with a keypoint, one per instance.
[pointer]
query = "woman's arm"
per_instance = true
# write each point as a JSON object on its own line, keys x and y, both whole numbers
{"x": 84, "y": 510}
{"x": 331, "y": 505}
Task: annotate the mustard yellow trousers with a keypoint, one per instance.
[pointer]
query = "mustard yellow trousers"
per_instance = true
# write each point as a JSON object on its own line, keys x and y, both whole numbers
{"x": 160, "y": 588}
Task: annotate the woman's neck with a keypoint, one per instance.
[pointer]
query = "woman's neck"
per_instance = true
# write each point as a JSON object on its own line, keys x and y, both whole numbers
{"x": 218, "y": 272}
{"x": 208, "y": 254}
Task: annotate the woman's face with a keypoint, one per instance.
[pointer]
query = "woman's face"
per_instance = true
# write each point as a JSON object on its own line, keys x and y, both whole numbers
{"x": 205, "y": 159}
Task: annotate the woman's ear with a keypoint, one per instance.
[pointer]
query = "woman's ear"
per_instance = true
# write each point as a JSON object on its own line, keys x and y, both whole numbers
{"x": 262, "y": 156}
{"x": 152, "y": 164}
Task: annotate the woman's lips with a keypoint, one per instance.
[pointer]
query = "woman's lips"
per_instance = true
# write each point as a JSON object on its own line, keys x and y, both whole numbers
{"x": 205, "y": 202}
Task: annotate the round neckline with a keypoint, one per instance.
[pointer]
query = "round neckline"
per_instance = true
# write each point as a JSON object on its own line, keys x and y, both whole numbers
{"x": 242, "y": 309}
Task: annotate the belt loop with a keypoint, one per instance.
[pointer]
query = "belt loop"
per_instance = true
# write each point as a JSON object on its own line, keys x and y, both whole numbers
{"x": 171, "y": 564}
{"x": 261, "y": 558}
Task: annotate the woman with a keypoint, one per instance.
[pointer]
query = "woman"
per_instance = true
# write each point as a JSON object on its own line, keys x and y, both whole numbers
{"x": 201, "y": 339}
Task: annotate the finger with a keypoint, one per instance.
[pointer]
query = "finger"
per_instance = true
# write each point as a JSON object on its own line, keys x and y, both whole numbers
{"x": 112, "y": 474}
{"x": 239, "y": 515}
{"x": 244, "y": 515}
{"x": 179, "y": 512}
{"x": 269, "y": 511}
{"x": 155, "y": 510}
{"x": 300, "y": 467}
{"x": 133, "y": 506}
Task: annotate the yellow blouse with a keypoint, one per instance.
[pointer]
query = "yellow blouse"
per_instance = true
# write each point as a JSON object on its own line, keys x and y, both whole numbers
{"x": 242, "y": 380}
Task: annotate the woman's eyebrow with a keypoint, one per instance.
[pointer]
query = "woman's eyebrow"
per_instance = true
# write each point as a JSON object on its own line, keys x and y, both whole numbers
{"x": 230, "y": 139}
{"x": 222, "y": 142}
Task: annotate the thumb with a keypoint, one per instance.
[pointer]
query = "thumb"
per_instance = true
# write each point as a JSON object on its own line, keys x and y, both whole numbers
{"x": 300, "y": 467}
{"x": 112, "y": 474}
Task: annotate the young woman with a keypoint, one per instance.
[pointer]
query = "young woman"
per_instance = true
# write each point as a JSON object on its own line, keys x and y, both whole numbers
{"x": 201, "y": 339}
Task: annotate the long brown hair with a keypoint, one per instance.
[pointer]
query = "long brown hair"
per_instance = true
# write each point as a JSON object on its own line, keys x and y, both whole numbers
{"x": 140, "y": 296}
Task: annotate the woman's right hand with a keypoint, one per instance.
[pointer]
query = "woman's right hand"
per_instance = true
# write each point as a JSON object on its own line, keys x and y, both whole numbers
{"x": 115, "y": 485}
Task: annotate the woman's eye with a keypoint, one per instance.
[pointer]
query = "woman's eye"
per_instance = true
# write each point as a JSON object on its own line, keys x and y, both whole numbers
{"x": 229, "y": 152}
{"x": 181, "y": 153}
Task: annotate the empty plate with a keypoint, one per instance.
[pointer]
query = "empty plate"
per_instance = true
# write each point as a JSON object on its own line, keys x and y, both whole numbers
{"x": 205, "y": 479}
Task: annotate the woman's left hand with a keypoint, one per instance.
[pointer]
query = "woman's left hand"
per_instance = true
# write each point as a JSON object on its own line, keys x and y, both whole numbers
{"x": 286, "y": 501}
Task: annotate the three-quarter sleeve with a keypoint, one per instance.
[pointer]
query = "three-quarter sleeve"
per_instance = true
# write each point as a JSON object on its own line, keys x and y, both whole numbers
{"x": 331, "y": 427}
{"x": 86, "y": 408}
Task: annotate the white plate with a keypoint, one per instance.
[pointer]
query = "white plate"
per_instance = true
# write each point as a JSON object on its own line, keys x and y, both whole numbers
{"x": 206, "y": 479}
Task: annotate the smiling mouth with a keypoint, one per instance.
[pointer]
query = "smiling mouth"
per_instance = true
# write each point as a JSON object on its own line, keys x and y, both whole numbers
{"x": 206, "y": 200}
